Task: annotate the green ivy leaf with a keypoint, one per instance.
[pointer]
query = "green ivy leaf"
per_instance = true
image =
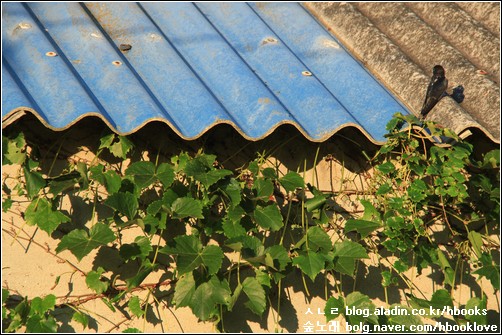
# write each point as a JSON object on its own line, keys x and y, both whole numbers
{"x": 263, "y": 277}
{"x": 145, "y": 174}
{"x": 346, "y": 254}
{"x": 142, "y": 172}
{"x": 123, "y": 202}
{"x": 370, "y": 212}
{"x": 363, "y": 227}
{"x": 280, "y": 256}
{"x": 489, "y": 270}
{"x": 400, "y": 266}
{"x": 234, "y": 297}
{"x": 383, "y": 189}
{"x": 310, "y": 263}
{"x": 41, "y": 324}
{"x": 58, "y": 186}
{"x": 233, "y": 228}
{"x": 250, "y": 247}
{"x": 13, "y": 149}
{"x": 269, "y": 173}
{"x": 264, "y": 188}
{"x": 357, "y": 301}
{"x": 190, "y": 254}
{"x": 291, "y": 181}
{"x": 184, "y": 290}
{"x": 40, "y": 306}
{"x": 476, "y": 240}
{"x": 386, "y": 167}
{"x": 232, "y": 189}
{"x": 446, "y": 267}
{"x": 256, "y": 295}
{"x": 141, "y": 248}
{"x": 132, "y": 330}
{"x": 39, "y": 212}
{"x": 212, "y": 177}
{"x": 5, "y": 296}
{"x": 439, "y": 300}
{"x": 81, "y": 243}
{"x": 491, "y": 159}
{"x": 81, "y": 318}
{"x": 201, "y": 169}
{"x": 6, "y": 204}
{"x": 387, "y": 279}
{"x": 34, "y": 182}
{"x": 334, "y": 307}
{"x": 109, "y": 179}
{"x": 476, "y": 304}
{"x": 135, "y": 306}
{"x": 187, "y": 207}
{"x": 165, "y": 173}
{"x": 394, "y": 123}
{"x": 199, "y": 165}
{"x": 318, "y": 240}
{"x": 146, "y": 268}
{"x": 268, "y": 217}
{"x": 316, "y": 202}
{"x": 93, "y": 281}
{"x": 207, "y": 296}
{"x": 212, "y": 257}
{"x": 118, "y": 145}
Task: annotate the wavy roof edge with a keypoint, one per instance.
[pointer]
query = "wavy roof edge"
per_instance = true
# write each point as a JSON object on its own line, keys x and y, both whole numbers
{"x": 20, "y": 112}
{"x": 369, "y": 121}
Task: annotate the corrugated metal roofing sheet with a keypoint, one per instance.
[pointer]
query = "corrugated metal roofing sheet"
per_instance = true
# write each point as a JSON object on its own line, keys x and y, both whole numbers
{"x": 192, "y": 65}
{"x": 402, "y": 41}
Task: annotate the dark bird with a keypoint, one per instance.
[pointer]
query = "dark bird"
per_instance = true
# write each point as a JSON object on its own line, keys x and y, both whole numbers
{"x": 435, "y": 90}
{"x": 458, "y": 94}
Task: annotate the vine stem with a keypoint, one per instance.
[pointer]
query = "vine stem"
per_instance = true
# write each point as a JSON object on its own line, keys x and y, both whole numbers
{"x": 94, "y": 296}
{"x": 116, "y": 325}
{"x": 31, "y": 240}
{"x": 278, "y": 302}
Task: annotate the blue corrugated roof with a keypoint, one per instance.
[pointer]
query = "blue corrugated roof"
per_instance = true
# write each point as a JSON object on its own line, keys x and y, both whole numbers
{"x": 192, "y": 65}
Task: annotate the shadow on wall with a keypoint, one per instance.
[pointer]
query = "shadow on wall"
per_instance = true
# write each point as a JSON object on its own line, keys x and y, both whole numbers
{"x": 286, "y": 144}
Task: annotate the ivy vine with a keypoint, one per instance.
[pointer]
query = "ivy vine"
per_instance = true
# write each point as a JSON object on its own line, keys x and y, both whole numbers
{"x": 220, "y": 236}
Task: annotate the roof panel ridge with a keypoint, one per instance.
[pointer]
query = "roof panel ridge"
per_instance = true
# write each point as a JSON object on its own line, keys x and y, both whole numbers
{"x": 301, "y": 61}
{"x": 363, "y": 98}
{"x": 480, "y": 46}
{"x": 129, "y": 66}
{"x": 19, "y": 83}
{"x": 249, "y": 66}
{"x": 187, "y": 63}
{"x": 61, "y": 54}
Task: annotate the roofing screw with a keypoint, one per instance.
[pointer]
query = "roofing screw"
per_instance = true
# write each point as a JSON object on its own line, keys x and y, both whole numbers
{"x": 117, "y": 63}
{"x": 269, "y": 40}
{"x": 125, "y": 47}
{"x": 307, "y": 73}
{"x": 51, "y": 54}
{"x": 155, "y": 37}
{"x": 24, "y": 25}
